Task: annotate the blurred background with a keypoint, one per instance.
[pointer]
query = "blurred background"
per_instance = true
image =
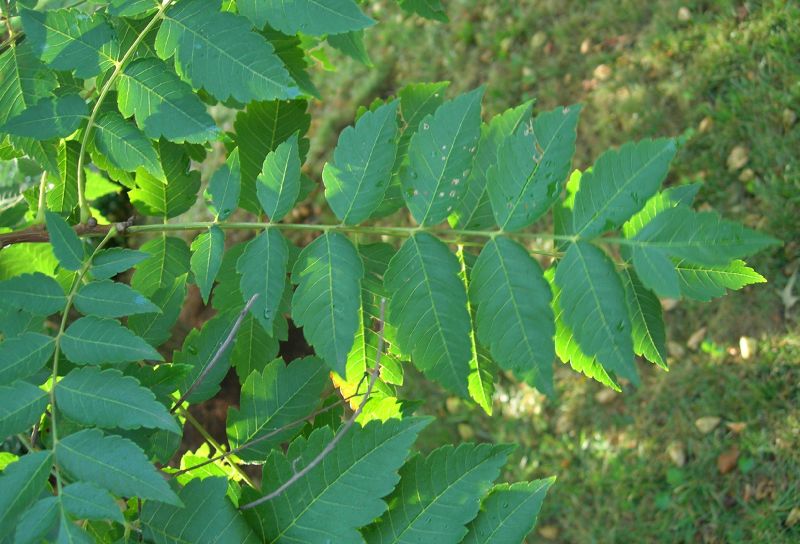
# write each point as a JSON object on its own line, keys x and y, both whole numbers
{"x": 709, "y": 452}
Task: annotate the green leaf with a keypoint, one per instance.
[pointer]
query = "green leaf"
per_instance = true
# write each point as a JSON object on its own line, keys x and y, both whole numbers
{"x": 34, "y": 293}
{"x": 439, "y": 494}
{"x": 532, "y": 162}
{"x": 703, "y": 282}
{"x": 321, "y": 508}
{"x": 125, "y": 146}
{"x": 130, "y": 8}
{"x": 164, "y": 106}
{"x": 254, "y": 347}
{"x": 311, "y": 17}
{"x": 37, "y": 521}
{"x": 619, "y": 185}
{"x": 208, "y": 517}
{"x": 49, "y": 118}
{"x": 66, "y": 244}
{"x": 24, "y": 80}
{"x": 63, "y": 197}
{"x": 21, "y": 484}
{"x": 352, "y": 45}
{"x": 207, "y": 249}
{"x": 108, "y": 399}
{"x": 106, "y": 298}
{"x": 698, "y": 237}
{"x": 429, "y": 9}
{"x": 357, "y": 178}
{"x": 259, "y": 130}
{"x": 428, "y": 301}
{"x": 508, "y": 513}
{"x": 172, "y": 194}
{"x": 110, "y": 262}
{"x": 328, "y": 275}
{"x": 278, "y": 184}
{"x": 95, "y": 341}
{"x": 199, "y": 348}
{"x": 218, "y": 52}
{"x": 168, "y": 260}
{"x": 113, "y": 463}
{"x": 474, "y": 211}
{"x": 440, "y": 157}
{"x": 647, "y": 321}
{"x": 682, "y": 195}
{"x": 567, "y": 347}
{"x": 482, "y": 369}
{"x": 24, "y": 355}
{"x": 225, "y": 186}
{"x": 592, "y": 292}
{"x": 272, "y": 399}
{"x": 21, "y": 405}
{"x": 69, "y": 533}
{"x": 87, "y": 501}
{"x": 263, "y": 267}
{"x": 156, "y": 328}
{"x": 514, "y": 318}
{"x": 291, "y": 51}
{"x": 67, "y": 39}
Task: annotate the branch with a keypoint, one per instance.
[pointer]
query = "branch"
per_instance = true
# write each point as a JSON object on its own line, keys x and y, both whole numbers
{"x": 217, "y": 356}
{"x": 342, "y": 430}
{"x": 38, "y": 234}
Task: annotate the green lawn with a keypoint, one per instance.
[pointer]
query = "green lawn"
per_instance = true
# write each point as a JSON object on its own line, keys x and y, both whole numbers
{"x": 725, "y": 77}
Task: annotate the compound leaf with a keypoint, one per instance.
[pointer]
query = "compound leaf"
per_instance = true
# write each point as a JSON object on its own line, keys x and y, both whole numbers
{"x": 113, "y": 463}
{"x": 428, "y": 301}
{"x": 108, "y": 399}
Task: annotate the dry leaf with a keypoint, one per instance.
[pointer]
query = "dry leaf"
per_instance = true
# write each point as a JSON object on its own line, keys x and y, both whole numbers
{"x": 675, "y": 349}
{"x": 465, "y": 431}
{"x": 668, "y": 304}
{"x": 747, "y": 346}
{"x": 694, "y": 340}
{"x": 707, "y": 424}
{"x": 677, "y": 453}
{"x": 586, "y": 45}
{"x": 736, "y": 426}
{"x": 605, "y": 395}
{"x": 793, "y": 518}
{"x": 684, "y": 14}
{"x": 602, "y": 72}
{"x": 550, "y": 532}
{"x": 738, "y": 158}
{"x": 726, "y": 461}
{"x": 705, "y": 124}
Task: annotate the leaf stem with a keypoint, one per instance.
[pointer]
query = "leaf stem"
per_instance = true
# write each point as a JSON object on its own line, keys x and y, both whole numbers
{"x": 84, "y": 207}
{"x": 76, "y": 283}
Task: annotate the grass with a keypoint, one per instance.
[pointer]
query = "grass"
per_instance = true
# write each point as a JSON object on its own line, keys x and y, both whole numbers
{"x": 724, "y": 77}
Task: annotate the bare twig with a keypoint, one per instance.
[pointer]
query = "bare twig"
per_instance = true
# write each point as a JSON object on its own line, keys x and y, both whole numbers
{"x": 342, "y": 430}
{"x": 217, "y": 356}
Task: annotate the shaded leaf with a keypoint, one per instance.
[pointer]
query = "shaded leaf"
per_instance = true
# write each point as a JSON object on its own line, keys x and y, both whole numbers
{"x": 311, "y": 17}
{"x": 124, "y": 145}
{"x": 87, "y": 501}
{"x": 207, "y": 249}
{"x": 278, "y": 184}
{"x": 96, "y": 341}
{"x": 106, "y": 298}
{"x": 24, "y": 355}
{"x": 225, "y": 186}
{"x": 21, "y": 484}
{"x": 263, "y": 267}
{"x": 34, "y": 293}
{"x": 21, "y": 405}
{"x": 49, "y": 118}
{"x": 66, "y": 244}
{"x": 110, "y": 262}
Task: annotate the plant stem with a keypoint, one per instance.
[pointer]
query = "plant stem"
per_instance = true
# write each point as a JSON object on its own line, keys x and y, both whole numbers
{"x": 42, "y": 198}
{"x": 217, "y": 446}
{"x": 84, "y": 207}
{"x": 57, "y": 352}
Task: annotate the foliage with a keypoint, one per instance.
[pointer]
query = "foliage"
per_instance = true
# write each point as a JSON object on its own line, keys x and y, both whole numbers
{"x": 120, "y": 94}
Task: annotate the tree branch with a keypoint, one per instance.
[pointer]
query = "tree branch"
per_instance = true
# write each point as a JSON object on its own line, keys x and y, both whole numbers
{"x": 342, "y": 430}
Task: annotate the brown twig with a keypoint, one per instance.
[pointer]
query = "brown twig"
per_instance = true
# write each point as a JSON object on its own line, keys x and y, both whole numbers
{"x": 342, "y": 430}
{"x": 38, "y": 233}
{"x": 218, "y": 355}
